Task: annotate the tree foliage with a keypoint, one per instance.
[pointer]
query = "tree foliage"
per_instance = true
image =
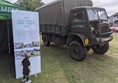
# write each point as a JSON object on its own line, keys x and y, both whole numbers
{"x": 31, "y": 4}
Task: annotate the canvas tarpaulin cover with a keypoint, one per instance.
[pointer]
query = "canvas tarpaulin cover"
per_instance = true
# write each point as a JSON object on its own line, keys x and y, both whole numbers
{"x": 3, "y": 37}
{"x": 57, "y": 12}
{"x": 6, "y": 37}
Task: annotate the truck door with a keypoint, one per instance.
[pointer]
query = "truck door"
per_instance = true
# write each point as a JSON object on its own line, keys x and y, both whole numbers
{"x": 79, "y": 22}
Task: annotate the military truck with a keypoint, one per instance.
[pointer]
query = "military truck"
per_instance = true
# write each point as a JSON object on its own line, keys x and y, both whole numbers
{"x": 76, "y": 24}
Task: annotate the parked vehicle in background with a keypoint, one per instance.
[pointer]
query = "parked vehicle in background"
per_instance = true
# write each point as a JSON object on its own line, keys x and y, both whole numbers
{"x": 76, "y": 24}
{"x": 114, "y": 29}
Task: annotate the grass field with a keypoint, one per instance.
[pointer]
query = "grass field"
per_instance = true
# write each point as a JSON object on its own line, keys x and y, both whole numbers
{"x": 58, "y": 67}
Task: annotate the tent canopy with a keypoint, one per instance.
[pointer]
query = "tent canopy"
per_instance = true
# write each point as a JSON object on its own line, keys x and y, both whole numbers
{"x": 6, "y": 7}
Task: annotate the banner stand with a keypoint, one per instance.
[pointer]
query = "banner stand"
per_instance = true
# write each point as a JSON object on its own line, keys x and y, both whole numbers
{"x": 26, "y": 38}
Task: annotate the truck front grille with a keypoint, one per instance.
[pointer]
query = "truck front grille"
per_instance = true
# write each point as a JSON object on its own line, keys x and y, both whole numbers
{"x": 104, "y": 30}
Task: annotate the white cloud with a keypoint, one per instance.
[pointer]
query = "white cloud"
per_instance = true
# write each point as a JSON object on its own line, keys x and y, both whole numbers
{"x": 47, "y": 1}
{"x": 110, "y": 5}
{"x": 13, "y": 1}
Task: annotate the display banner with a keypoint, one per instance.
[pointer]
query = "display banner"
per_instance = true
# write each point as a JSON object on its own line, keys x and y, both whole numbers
{"x": 26, "y": 38}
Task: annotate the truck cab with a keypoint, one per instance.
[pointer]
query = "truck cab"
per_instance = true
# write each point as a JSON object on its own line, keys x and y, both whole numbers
{"x": 88, "y": 29}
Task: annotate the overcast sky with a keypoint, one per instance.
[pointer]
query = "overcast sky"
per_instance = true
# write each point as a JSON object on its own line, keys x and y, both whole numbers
{"x": 110, "y": 5}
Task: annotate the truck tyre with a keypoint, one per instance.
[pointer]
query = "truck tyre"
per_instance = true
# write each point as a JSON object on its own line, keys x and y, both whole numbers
{"x": 101, "y": 50}
{"x": 45, "y": 40}
{"x": 77, "y": 51}
{"x": 88, "y": 49}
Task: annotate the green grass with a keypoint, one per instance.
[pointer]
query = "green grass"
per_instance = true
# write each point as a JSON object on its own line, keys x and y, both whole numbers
{"x": 58, "y": 67}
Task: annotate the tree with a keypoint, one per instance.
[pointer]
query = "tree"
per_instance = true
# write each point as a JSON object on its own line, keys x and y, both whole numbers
{"x": 31, "y": 4}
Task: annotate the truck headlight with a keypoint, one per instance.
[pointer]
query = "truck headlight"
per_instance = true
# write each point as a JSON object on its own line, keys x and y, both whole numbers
{"x": 92, "y": 29}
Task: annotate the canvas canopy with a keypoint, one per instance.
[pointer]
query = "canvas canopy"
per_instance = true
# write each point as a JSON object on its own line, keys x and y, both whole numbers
{"x": 6, "y": 7}
{"x": 57, "y": 12}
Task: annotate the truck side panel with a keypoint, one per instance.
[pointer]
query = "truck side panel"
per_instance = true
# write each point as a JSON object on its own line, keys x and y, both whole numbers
{"x": 55, "y": 30}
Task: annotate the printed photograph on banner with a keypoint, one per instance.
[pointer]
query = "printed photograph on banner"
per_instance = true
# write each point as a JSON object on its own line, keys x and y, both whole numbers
{"x": 21, "y": 45}
{"x": 20, "y": 53}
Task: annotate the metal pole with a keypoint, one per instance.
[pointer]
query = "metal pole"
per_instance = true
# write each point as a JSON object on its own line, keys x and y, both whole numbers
{"x": 9, "y": 49}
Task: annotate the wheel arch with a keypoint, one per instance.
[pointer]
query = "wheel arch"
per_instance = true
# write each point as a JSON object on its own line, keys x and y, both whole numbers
{"x": 75, "y": 37}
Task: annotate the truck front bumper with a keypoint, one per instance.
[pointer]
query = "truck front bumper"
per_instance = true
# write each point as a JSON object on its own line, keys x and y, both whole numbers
{"x": 107, "y": 39}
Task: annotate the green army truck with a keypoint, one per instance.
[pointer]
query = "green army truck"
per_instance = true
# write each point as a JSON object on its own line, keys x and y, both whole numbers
{"x": 76, "y": 24}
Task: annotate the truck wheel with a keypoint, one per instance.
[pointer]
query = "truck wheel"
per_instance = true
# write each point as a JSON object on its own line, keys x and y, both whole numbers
{"x": 101, "y": 50}
{"x": 77, "y": 51}
{"x": 45, "y": 40}
{"x": 88, "y": 49}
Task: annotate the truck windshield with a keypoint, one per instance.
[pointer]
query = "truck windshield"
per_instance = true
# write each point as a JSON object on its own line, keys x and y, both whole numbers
{"x": 97, "y": 14}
